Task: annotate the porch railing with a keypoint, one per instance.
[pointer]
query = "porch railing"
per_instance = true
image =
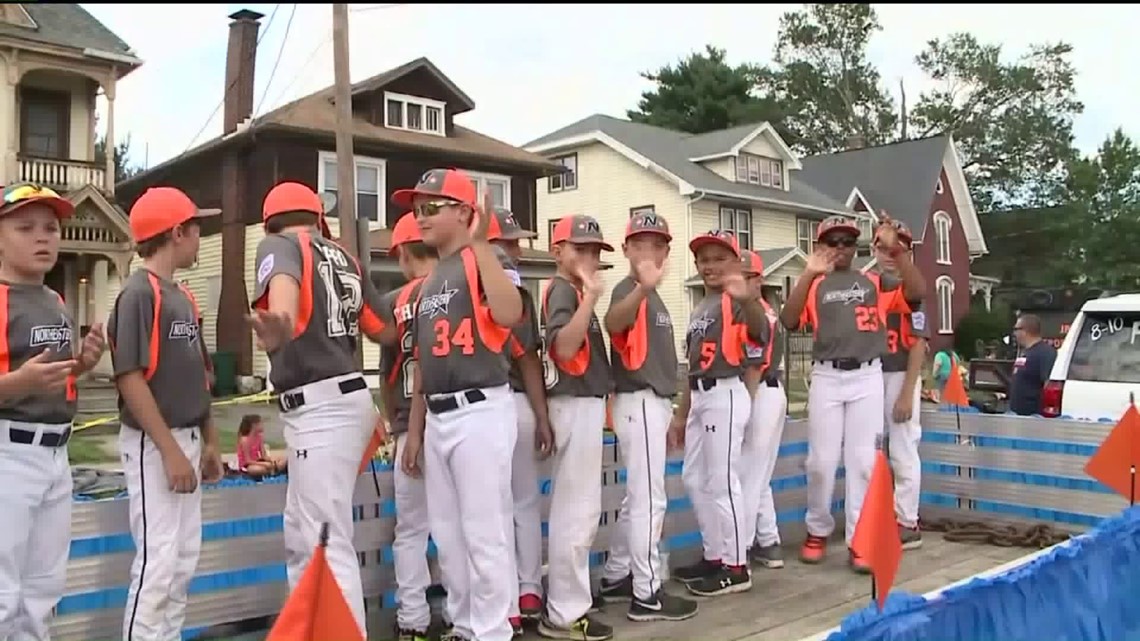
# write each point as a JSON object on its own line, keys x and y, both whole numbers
{"x": 62, "y": 174}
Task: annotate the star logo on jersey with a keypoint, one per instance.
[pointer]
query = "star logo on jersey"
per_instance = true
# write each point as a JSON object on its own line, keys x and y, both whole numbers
{"x": 699, "y": 325}
{"x": 56, "y": 336}
{"x": 436, "y": 304}
{"x": 181, "y": 330}
{"x": 853, "y": 294}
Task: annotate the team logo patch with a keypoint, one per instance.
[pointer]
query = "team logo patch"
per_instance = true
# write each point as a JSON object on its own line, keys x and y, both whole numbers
{"x": 663, "y": 319}
{"x": 852, "y": 294}
{"x": 184, "y": 330}
{"x": 753, "y": 351}
{"x": 918, "y": 321}
{"x": 55, "y": 336}
{"x": 699, "y": 325}
{"x": 436, "y": 304}
{"x": 265, "y": 268}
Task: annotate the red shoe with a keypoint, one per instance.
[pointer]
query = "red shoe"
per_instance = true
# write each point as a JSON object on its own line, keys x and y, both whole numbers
{"x": 516, "y": 626}
{"x": 814, "y": 549}
{"x": 858, "y": 563}
{"x": 530, "y": 606}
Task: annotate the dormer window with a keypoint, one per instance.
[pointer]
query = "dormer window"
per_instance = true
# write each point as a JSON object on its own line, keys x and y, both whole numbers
{"x": 412, "y": 113}
{"x": 758, "y": 170}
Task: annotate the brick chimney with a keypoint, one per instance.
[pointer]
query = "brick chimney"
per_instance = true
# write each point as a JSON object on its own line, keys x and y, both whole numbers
{"x": 856, "y": 141}
{"x": 241, "y": 58}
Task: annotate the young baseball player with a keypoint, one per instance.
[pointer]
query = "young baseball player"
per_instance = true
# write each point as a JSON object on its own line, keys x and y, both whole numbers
{"x": 38, "y": 367}
{"x": 463, "y": 415}
{"x": 397, "y": 366}
{"x": 311, "y": 303}
{"x": 535, "y": 437}
{"x": 579, "y": 383}
{"x": 714, "y": 413}
{"x": 765, "y": 428}
{"x": 166, "y": 436}
{"x": 644, "y": 363}
{"x": 902, "y": 369}
{"x": 847, "y": 313}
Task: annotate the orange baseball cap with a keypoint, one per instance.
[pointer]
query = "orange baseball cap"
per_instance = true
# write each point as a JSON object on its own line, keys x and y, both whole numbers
{"x": 453, "y": 184}
{"x": 579, "y": 230}
{"x": 836, "y": 223}
{"x": 647, "y": 223}
{"x": 18, "y": 195}
{"x": 503, "y": 226}
{"x": 407, "y": 230}
{"x": 161, "y": 209}
{"x": 721, "y": 237}
{"x": 293, "y": 196}
{"x": 751, "y": 262}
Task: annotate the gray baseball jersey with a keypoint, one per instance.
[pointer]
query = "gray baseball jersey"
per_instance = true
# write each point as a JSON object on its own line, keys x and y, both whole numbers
{"x": 767, "y": 357}
{"x": 335, "y": 304}
{"x": 34, "y": 319}
{"x": 155, "y": 327}
{"x": 524, "y": 338}
{"x": 718, "y": 342}
{"x": 458, "y": 345}
{"x": 847, "y": 311}
{"x": 902, "y": 332}
{"x": 644, "y": 356}
{"x": 588, "y": 373}
{"x": 398, "y": 362}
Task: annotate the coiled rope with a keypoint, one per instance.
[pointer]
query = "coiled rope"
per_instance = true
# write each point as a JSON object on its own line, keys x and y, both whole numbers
{"x": 1036, "y": 536}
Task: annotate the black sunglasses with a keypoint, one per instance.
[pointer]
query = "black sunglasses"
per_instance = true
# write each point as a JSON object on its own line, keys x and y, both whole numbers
{"x": 845, "y": 241}
{"x": 433, "y": 208}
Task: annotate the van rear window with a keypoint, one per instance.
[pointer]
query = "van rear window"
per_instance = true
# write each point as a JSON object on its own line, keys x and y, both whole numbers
{"x": 1107, "y": 349}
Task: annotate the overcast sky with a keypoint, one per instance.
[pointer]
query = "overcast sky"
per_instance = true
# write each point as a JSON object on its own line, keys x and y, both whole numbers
{"x": 534, "y": 68}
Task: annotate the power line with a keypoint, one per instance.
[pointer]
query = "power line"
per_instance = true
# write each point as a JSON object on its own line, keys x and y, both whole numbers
{"x": 300, "y": 73}
{"x": 232, "y": 83}
{"x": 375, "y": 7}
{"x": 280, "y": 51}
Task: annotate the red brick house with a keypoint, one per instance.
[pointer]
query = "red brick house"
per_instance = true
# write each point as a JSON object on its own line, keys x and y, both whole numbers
{"x": 921, "y": 183}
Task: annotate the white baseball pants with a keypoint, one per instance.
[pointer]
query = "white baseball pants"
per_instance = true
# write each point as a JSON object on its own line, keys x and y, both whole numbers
{"x": 526, "y": 526}
{"x": 904, "y": 439}
{"x": 467, "y": 454}
{"x": 575, "y": 504}
{"x": 760, "y": 451}
{"x": 34, "y": 542}
{"x": 325, "y": 440}
{"x": 641, "y": 422}
{"x": 844, "y": 407}
{"x": 714, "y": 434}
{"x": 167, "y": 530}
{"x": 409, "y": 546}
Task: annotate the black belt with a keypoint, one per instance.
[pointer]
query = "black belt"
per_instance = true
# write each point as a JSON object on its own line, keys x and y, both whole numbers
{"x": 772, "y": 381}
{"x": 847, "y": 364}
{"x": 47, "y": 439}
{"x": 450, "y": 402}
{"x": 295, "y": 400}
{"x": 706, "y": 383}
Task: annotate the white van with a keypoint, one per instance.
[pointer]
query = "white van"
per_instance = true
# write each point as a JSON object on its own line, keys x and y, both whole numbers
{"x": 1098, "y": 365}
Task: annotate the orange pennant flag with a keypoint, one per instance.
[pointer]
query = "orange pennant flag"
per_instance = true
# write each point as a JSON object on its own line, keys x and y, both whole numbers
{"x": 954, "y": 393}
{"x": 379, "y": 435}
{"x": 877, "y": 532}
{"x": 316, "y": 609}
{"x": 1118, "y": 455}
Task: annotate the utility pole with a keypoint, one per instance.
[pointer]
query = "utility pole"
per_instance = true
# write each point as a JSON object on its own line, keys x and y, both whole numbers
{"x": 345, "y": 164}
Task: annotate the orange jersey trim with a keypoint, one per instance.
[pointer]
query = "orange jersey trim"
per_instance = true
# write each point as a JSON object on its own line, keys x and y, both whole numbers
{"x": 370, "y": 322}
{"x": 5, "y": 356}
{"x": 580, "y": 362}
{"x": 632, "y": 345}
{"x": 401, "y": 300}
{"x": 155, "y": 327}
{"x": 493, "y": 335}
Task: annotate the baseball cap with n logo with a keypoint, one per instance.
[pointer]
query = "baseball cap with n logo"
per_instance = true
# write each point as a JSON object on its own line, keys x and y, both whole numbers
{"x": 452, "y": 184}
{"x": 503, "y": 226}
{"x": 721, "y": 237}
{"x": 647, "y": 222}
{"x": 579, "y": 230}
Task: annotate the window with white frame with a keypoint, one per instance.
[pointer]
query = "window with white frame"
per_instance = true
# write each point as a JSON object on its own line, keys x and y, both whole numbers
{"x": 805, "y": 234}
{"x": 550, "y": 225}
{"x": 500, "y": 187}
{"x": 866, "y": 227}
{"x": 412, "y": 113}
{"x": 758, "y": 170}
{"x": 371, "y": 181}
{"x": 942, "y": 237}
{"x": 567, "y": 180}
{"x": 739, "y": 222}
{"x": 944, "y": 286}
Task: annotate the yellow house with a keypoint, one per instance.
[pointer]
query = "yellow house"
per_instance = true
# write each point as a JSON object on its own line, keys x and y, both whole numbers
{"x": 56, "y": 60}
{"x": 742, "y": 179}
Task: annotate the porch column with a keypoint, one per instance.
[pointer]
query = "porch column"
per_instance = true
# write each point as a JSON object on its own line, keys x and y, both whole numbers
{"x": 9, "y": 141}
{"x": 989, "y": 293}
{"x": 71, "y": 287}
{"x": 100, "y": 289}
{"x": 109, "y": 144}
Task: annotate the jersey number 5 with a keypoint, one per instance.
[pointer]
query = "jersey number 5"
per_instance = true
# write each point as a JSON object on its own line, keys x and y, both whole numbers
{"x": 345, "y": 298}
{"x": 708, "y": 353}
{"x": 867, "y": 318}
{"x": 445, "y": 339}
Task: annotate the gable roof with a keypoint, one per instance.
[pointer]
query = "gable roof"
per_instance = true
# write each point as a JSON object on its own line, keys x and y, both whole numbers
{"x": 67, "y": 25}
{"x": 462, "y": 100}
{"x": 729, "y": 142}
{"x": 900, "y": 178}
{"x": 668, "y": 154}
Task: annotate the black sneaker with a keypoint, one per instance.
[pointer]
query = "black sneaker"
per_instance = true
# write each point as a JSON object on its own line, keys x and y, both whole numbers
{"x": 598, "y": 604}
{"x": 404, "y": 634}
{"x": 911, "y": 537}
{"x": 662, "y": 607}
{"x": 725, "y": 581}
{"x": 619, "y": 590}
{"x": 584, "y": 629}
{"x": 449, "y": 634}
{"x": 769, "y": 556}
{"x": 703, "y": 569}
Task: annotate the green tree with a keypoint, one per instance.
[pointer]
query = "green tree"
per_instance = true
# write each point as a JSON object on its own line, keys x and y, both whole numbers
{"x": 1103, "y": 233}
{"x": 124, "y": 169}
{"x": 1012, "y": 120}
{"x": 824, "y": 81}
{"x": 703, "y": 93}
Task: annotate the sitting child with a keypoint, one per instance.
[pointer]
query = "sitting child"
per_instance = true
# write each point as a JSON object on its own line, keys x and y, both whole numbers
{"x": 252, "y": 457}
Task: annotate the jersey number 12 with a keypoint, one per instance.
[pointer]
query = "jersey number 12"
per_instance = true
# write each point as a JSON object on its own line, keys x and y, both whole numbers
{"x": 345, "y": 298}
